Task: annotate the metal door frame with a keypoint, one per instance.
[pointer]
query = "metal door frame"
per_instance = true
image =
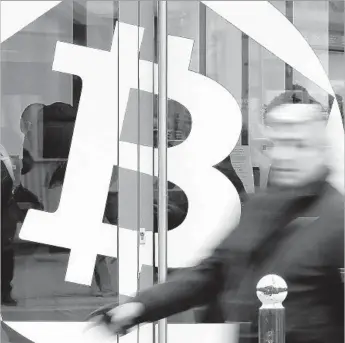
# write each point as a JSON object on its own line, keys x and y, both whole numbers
{"x": 162, "y": 48}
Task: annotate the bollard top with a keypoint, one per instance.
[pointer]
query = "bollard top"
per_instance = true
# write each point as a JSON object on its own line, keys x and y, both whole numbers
{"x": 272, "y": 291}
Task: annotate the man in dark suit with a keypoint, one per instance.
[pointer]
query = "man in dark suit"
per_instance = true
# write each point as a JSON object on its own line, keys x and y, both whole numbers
{"x": 10, "y": 216}
{"x": 295, "y": 229}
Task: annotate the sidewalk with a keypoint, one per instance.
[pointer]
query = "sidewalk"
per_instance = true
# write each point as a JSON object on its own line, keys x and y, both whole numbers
{"x": 56, "y": 309}
{"x": 43, "y": 295}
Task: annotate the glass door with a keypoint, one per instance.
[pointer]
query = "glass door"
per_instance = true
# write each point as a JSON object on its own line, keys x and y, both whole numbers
{"x": 48, "y": 102}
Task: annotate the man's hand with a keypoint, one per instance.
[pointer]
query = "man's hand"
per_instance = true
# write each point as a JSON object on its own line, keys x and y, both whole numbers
{"x": 118, "y": 320}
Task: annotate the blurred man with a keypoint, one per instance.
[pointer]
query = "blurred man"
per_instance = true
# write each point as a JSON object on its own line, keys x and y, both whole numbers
{"x": 295, "y": 230}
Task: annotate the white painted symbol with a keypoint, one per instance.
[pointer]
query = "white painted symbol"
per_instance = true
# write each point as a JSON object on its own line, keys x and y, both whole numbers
{"x": 77, "y": 224}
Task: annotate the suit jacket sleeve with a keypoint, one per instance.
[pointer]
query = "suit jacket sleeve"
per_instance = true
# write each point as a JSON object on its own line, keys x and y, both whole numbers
{"x": 203, "y": 283}
{"x": 185, "y": 289}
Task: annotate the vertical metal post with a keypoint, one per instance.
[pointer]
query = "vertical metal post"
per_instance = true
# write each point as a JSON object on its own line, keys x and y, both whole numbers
{"x": 272, "y": 291}
{"x": 289, "y": 12}
{"x": 162, "y": 153}
{"x": 202, "y": 39}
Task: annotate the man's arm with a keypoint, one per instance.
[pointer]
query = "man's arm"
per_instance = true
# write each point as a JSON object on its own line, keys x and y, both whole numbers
{"x": 186, "y": 288}
{"x": 200, "y": 285}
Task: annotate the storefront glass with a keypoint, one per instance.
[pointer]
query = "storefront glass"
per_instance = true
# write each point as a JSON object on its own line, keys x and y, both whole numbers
{"x": 221, "y": 52}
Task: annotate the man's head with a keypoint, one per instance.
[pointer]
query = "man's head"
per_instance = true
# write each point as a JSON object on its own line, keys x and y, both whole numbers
{"x": 296, "y": 130}
{"x": 30, "y": 113}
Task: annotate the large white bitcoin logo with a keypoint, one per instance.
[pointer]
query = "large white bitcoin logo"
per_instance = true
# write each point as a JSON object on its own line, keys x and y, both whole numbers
{"x": 77, "y": 224}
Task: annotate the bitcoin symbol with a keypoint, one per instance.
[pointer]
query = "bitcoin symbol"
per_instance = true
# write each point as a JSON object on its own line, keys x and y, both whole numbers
{"x": 77, "y": 224}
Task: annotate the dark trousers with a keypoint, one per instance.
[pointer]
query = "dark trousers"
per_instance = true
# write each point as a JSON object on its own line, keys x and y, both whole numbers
{"x": 7, "y": 271}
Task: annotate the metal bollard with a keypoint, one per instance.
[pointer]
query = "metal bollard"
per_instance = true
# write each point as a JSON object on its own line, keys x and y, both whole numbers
{"x": 272, "y": 291}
